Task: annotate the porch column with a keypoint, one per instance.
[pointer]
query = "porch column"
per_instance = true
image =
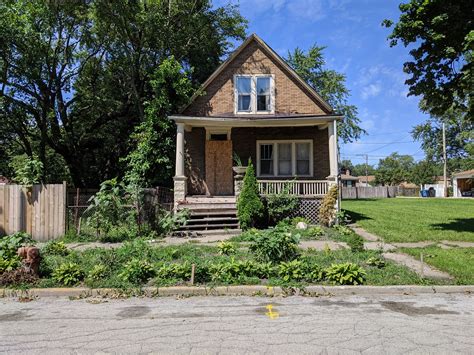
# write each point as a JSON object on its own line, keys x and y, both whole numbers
{"x": 333, "y": 166}
{"x": 179, "y": 178}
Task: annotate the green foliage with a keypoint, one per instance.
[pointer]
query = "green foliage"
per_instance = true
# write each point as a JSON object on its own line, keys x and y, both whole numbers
{"x": 9, "y": 264}
{"x": 174, "y": 271}
{"x": 291, "y": 270}
{"x": 440, "y": 36}
{"x": 356, "y": 243}
{"x": 226, "y": 248}
{"x": 282, "y": 205}
{"x": 314, "y": 232}
{"x": 98, "y": 272}
{"x": 249, "y": 204}
{"x": 345, "y": 274}
{"x": 68, "y": 274}
{"x": 296, "y": 220}
{"x": 9, "y": 244}
{"x": 343, "y": 217}
{"x": 394, "y": 169}
{"x": 234, "y": 271}
{"x": 331, "y": 85}
{"x": 343, "y": 230}
{"x": 327, "y": 210}
{"x": 376, "y": 261}
{"x": 28, "y": 170}
{"x": 236, "y": 159}
{"x": 170, "y": 221}
{"x": 137, "y": 271}
{"x": 55, "y": 248}
{"x": 275, "y": 244}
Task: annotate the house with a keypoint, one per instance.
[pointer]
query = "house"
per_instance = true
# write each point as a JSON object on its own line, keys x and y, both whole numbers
{"x": 366, "y": 181}
{"x": 253, "y": 106}
{"x": 347, "y": 180}
{"x": 463, "y": 184}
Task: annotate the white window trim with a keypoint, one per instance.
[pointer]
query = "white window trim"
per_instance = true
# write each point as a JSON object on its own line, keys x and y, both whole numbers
{"x": 217, "y": 130}
{"x": 293, "y": 157}
{"x": 253, "y": 94}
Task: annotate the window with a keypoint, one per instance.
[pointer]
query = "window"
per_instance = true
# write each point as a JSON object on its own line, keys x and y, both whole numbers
{"x": 285, "y": 158}
{"x": 254, "y": 94}
{"x": 266, "y": 159}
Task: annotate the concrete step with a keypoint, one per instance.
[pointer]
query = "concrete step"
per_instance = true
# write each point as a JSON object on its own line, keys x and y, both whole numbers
{"x": 210, "y": 213}
{"x": 207, "y": 206}
{"x": 212, "y": 220}
{"x": 206, "y": 226}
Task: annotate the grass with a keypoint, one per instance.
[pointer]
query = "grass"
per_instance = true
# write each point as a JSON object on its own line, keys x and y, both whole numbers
{"x": 458, "y": 262}
{"x": 414, "y": 219}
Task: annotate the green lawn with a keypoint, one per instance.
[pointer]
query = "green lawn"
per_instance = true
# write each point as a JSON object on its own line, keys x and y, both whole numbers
{"x": 458, "y": 262}
{"x": 414, "y": 219}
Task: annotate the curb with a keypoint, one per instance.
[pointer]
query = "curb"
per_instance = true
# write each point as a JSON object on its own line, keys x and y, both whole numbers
{"x": 257, "y": 290}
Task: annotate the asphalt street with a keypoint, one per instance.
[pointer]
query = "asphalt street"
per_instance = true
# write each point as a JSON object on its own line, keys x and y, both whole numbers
{"x": 425, "y": 323}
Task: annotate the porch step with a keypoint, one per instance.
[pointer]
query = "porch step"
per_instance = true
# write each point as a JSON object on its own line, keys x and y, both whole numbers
{"x": 212, "y": 220}
{"x": 207, "y": 226}
{"x": 223, "y": 199}
{"x": 213, "y": 212}
{"x": 206, "y": 206}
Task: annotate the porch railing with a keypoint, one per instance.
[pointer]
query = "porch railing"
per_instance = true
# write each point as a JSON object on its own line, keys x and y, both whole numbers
{"x": 294, "y": 187}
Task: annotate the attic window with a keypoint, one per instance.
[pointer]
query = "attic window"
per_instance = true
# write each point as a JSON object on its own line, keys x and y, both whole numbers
{"x": 254, "y": 93}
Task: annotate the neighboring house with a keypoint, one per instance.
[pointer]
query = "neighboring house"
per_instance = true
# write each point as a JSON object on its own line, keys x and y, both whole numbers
{"x": 463, "y": 184}
{"x": 253, "y": 106}
{"x": 348, "y": 180}
{"x": 366, "y": 181}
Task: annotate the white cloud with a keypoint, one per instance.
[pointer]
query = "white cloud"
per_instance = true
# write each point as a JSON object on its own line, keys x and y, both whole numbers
{"x": 371, "y": 90}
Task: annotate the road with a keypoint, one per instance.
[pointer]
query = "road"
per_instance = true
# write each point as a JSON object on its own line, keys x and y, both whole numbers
{"x": 436, "y": 323}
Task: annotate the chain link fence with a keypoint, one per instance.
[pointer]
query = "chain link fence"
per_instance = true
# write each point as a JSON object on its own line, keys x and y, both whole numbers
{"x": 154, "y": 199}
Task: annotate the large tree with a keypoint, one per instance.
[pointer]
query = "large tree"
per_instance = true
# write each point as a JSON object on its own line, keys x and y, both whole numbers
{"x": 331, "y": 85}
{"x": 394, "y": 169}
{"x": 75, "y": 75}
{"x": 440, "y": 34}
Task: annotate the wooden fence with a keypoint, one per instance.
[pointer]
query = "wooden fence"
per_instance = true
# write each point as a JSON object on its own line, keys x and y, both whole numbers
{"x": 349, "y": 193}
{"x": 39, "y": 210}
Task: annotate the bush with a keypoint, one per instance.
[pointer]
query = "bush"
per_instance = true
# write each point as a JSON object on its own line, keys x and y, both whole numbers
{"x": 174, "y": 271}
{"x": 327, "y": 213}
{"x": 356, "y": 243}
{"x": 249, "y": 205}
{"x": 98, "y": 272}
{"x": 376, "y": 261}
{"x": 291, "y": 270}
{"x": 17, "y": 277}
{"x": 68, "y": 274}
{"x": 342, "y": 230}
{"x": 345, "y": 274}
{"x": 313, "y": 272}
{"x": 55, "y": 248}
{"x": 234, "y": 271}
{"x": 9, "y": 260}
{"x": 296, "y": 220}
{"x": 226, "y": 248}
{"x": 137, "y": 271}
{"x": 276, "y": 244}
{"x": 282, "y": 205}
{"x": 314, "y": 232}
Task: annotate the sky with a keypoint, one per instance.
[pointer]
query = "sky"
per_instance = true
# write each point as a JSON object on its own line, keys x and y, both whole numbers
{"x": 357, "y": 46}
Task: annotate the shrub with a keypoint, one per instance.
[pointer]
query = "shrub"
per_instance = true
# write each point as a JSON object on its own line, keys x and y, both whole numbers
{"x": 282, "y": 205}
{"x": 296, "y": 220}
{"x": 276, "y": 244}
{"x": 327, "y": 213}
{"x": 291, "y": 270}
{"x": 356, "y": 243}
{"x": 168, "y": 222}
{"x": 174, "y": 271}
{"x": 17, "y": 277}
{"x": 55, "y": 248}
{"x": 137, "y": 271}
{"x": 345, "y": 274}
{"x": 313, "y": 272}
{"x": 98, "y": 272}
{"x": 10, "y": 264}
{"x": 342, "y": 230}
{"x": 249, "y": 205}
{"x": 226, "y": 248}
{"x": 234, "y": 271}
{"x": 343, "y": 217}
{"x": 9, "y": 260}
{"x": 68, "y": 274}
{"x": 314, "y": 232}
{"x": 376, "y": 261}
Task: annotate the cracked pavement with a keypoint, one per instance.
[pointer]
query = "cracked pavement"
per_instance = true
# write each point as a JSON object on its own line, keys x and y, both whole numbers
{"x": 424, "y": 323}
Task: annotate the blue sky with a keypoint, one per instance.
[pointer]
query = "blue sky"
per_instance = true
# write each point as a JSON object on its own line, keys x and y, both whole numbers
{"x": 356, "y": 46}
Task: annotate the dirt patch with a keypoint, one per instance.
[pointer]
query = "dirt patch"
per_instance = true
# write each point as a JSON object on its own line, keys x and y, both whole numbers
{"x": 134, "y": 312}
{"x": 341, "y": 303}
{"x": 409, "y": 309}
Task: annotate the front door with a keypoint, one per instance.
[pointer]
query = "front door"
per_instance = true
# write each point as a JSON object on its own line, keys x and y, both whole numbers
{"x": 219, "y": 176}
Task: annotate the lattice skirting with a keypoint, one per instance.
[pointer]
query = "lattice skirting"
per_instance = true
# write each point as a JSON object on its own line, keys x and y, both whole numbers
{"x": 309, "y": 209}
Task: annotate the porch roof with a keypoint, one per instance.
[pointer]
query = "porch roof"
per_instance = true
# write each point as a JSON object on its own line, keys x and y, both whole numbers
{"x": 278, "y": 120}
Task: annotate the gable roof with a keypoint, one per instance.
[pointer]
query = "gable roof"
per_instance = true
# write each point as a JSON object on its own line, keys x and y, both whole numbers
{"x": 273, "y": 55}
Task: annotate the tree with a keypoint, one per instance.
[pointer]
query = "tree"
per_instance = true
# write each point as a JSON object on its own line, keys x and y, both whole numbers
{"x": 442, "y": 36}
{"x": 459, "y": 139}
{"x": 424, "y": 172}
{"x": 75, "y": 75}
{"x": 249, "y": 204}
{"x": 360, "y": 170}
{"x": 394, "y": 169}
{"x": 346, "y": 164}
{"x": 330, "y": 85}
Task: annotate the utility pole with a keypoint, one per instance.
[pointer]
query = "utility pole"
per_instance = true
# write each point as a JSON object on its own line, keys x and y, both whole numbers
{"x": 366, "y": 168}
{"x": 445, "y": 160}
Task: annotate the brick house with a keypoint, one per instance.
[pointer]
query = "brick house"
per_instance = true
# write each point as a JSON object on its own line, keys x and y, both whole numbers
{"x": 253, "y": 106}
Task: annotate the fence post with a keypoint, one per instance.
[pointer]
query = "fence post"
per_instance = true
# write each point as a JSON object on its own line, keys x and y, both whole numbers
{"x": 76, "y": 209}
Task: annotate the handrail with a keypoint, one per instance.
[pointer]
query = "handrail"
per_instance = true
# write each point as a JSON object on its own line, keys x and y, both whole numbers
{"x": 294, "y": 187}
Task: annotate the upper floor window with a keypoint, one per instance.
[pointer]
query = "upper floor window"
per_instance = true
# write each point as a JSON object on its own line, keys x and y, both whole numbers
{"x": 254, "y": 94}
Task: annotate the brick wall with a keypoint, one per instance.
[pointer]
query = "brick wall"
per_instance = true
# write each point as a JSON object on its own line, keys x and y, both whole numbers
{"x": 290, "y": 95}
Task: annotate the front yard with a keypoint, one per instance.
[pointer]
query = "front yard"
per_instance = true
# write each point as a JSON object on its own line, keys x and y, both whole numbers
{"x": 414, "y": 219}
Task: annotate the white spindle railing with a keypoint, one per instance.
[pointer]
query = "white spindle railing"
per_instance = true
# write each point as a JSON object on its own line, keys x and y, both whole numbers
{"x": 293, "y": 187}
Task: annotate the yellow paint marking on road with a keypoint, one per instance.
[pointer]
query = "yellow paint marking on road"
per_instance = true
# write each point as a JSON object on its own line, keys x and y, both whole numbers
{"x": 271, "y": 314}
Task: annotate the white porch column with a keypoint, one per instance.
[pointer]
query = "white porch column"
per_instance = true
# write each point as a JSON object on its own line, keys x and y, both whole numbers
{"x": 180, "y": 178}
{"x": 332, "y": 134}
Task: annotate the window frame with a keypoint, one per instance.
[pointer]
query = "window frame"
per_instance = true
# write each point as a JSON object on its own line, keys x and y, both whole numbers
{"x": 253, "y": 94}
{"x": 293, "y": 143}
